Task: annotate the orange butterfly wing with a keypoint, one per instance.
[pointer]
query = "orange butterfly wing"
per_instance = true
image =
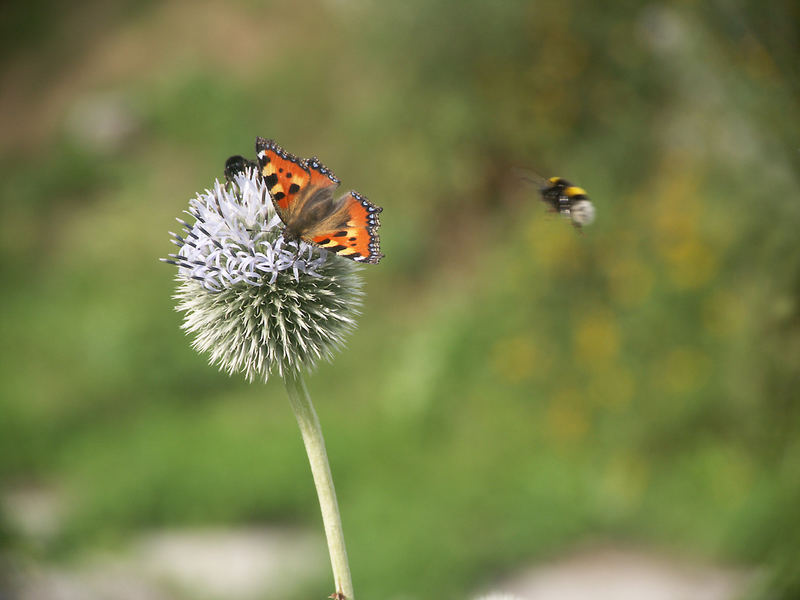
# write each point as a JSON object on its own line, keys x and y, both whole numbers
{"x": 321, "y": 176}
{"x": 358, "y": 238}
{"x": 285, "y": 174}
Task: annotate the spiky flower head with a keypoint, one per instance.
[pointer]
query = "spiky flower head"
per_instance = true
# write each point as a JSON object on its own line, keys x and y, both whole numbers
{"x": 256, "y": 304}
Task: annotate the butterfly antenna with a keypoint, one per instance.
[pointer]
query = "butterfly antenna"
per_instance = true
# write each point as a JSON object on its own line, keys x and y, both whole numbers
{"x": 299, "y": 248}
{"x": 251, "y": 230}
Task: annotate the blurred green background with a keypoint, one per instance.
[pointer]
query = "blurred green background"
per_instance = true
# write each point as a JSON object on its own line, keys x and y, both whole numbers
{"x": 513, "y": 388}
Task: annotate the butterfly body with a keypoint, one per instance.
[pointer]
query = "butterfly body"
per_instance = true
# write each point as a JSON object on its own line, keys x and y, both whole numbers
{"x": 314, "y": 209}
{"x": 302, "y": 192}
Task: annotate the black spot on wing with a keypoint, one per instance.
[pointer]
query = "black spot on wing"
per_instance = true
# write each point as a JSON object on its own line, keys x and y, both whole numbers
{"x": 271, "y": 180}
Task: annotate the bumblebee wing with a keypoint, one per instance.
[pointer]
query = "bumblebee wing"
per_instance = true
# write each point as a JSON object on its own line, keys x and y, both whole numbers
{"x": 530, "y": 177}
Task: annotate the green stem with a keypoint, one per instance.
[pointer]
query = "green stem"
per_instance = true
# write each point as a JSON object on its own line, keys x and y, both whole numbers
{"x": 321, "y": 471}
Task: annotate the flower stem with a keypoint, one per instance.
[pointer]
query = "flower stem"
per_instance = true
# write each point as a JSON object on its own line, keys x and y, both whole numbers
{"x": 321, "y": 471}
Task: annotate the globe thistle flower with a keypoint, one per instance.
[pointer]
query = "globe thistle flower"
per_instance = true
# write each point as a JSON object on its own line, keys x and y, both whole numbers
{"x": 258, "y": 304}
{"x": 254, "y": 303}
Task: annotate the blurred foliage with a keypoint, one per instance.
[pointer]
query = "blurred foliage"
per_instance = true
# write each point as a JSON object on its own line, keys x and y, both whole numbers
{"x": 513, "y": 388}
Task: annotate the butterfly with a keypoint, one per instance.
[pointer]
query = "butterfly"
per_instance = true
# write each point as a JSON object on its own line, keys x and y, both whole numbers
{"x": 302, "y": 193}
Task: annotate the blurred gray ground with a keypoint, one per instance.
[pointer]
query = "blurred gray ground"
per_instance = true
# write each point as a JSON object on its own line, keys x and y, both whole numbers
{"x": 264, "y": 564}
{"x": 236, "y": 564}
{"x": 623, "y": 574}
{"x": 252, "y": 563}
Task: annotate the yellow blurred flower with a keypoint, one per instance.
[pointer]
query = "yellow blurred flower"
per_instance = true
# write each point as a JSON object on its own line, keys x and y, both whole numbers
{"x": 612, "y": 387}
{"x": 682, "y": 370}
{"x": 567, "y": 418}
{"x": 596, "y": 339}
{"x": 677, "y": 210}
{"x": 630, "y": 281}
{"x": 516, "y": 359}
{"x": 678, "y": 213}
{"x": 553, "y": 242}
{"x": 691, "y": 263}
{"x": 724, "y": 313}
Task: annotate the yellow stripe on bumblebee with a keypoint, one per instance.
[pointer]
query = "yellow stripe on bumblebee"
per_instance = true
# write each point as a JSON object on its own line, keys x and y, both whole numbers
{"x": 574, "y": 190}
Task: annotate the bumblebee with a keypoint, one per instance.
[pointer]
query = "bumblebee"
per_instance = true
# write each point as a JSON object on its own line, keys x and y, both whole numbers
{"x": 568, "y": 200}
{"x": 564, "y": 198}
{"x": 238, "y": 164}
